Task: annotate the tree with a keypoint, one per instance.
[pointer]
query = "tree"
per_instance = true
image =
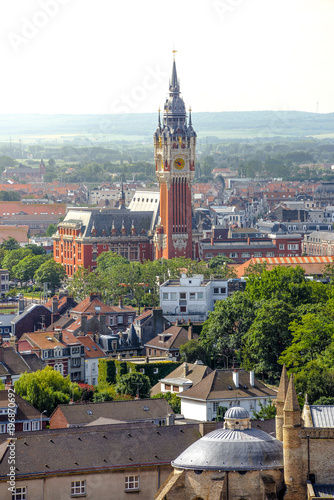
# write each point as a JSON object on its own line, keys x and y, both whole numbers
{"x": 134, "y": 384}
{"x": 267, "y": 338}
{"x": 219, "y": 267}
{"x": 281, "y": 283}
{"x": 10, "y": 244}
{"x": 324, "y": 400}
{"x": 311, "y": 335}
{"x": 45, "y": 389}
{"x": 221, "y": 410}
{"x": 266, "y": 412}
{"x": 27, "y": 267}
{"x": 173, "y": 400}
{"x": 192, "y": 351}
{"x": 50, "y": 272}
{"x": 10, "y": 196}
{"x": 13, "y": 257}
{"x": 315, "y": 380}
{"x": 36, "y": 249}
{"x": 223, "y": 331}
{"x": 51, "y": 229}
{"x": 85, "y": 283}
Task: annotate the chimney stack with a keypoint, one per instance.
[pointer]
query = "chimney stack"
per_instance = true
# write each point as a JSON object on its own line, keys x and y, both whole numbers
{"x": 185, "y": 369}
{"x": 58, "y": 335}
{"x": 84, "y": 328}
{"x": 120, "y": 303}
{"x": 54, "y": 307}
{"x": 21, "y": 306}
{"x": 251, "y": 378}
{"x": 236, "y": 378}
{"x": 190, "y": 332}
{"x": 170, "y": 419}
{"x": 102, "y": 324}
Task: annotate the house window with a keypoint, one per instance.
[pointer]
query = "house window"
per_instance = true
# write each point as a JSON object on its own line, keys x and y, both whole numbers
{"x": 216, "y": 290}
{"x": 281, "y": 247}
{"x": 192, "y": 296}
{"x": 245, "y": 255}
{"x": 35, "y": 426}
{"x": 165, "y": 296}
{"x": 59, "y": 368}
{"x": 20, "y": 493}
{"x": 257, "y": 254}
{"x": 183, "y": 309}
{"x": 183, "y": 295}
{"x": 215, "y": 406}
{"x": 130, "y": 320}
{"x": 155, "y": 370}
{"x": 270, "y": 254}
{"x": 2, "y": 428}
{"x": 292, "y": 247}
{"x": 78, "y": 488}
{"x": 119, "y": 320}
{"x": 173, "y": 296}
{"x": 76, "y": 362}
{"x": 233, "y": 255}
{"x": 223, "y": 290}
{"x": 131, "y": 483}
{"x": 26, "y": 426}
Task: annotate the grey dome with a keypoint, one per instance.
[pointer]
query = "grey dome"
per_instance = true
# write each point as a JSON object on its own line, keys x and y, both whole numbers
{"x": 326, "y": 188}
{"x": 236, "y": 412}
{"x": 226, "y": 449}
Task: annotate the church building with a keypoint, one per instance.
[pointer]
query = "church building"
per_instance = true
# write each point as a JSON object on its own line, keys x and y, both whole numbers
{"x": 174, "y": 152}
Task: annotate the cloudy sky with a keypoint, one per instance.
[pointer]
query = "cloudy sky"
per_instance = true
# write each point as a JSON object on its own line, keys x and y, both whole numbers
{"x": 108, "y": 56}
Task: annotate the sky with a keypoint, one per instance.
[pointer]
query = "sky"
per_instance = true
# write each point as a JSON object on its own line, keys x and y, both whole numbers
{"x": 108, "y": 56}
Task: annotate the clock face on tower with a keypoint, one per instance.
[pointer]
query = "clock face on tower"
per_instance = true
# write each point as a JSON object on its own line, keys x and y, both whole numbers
{"x": 179, "y": 163}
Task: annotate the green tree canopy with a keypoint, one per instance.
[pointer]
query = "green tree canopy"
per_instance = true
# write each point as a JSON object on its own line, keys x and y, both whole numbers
{"x": 10, "y": 244}
{"x": 267, "y": 338}
{"x": 133, "y": 384}
{"x": 50, "y": 272}
{"x": 27, "y": 267}
{"x": 36, "y": 249}
{"x": 45, "y": 389}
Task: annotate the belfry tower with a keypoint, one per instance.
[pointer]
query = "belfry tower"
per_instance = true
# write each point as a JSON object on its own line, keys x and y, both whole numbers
{"x": 174, "y": 152}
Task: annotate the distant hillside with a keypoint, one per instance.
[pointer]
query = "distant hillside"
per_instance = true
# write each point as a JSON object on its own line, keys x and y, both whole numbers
{"x": 223, "y": 124}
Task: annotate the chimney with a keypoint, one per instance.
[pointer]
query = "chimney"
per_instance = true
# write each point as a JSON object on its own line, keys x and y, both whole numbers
{"x": 236, "y": 378}
{"x": 102, "y": 324}
{"x": 84, "y": 328}
{"x": 170, "y": 419}
{"x": 251, "y": 378}
{"x": 120, "y": 303}
{"x": 12, "y": 342}
{"x": 177, "y": 322}
{"x": 185, "y": 369}
{"x": 248, "y": 241}
{"x": 54, "y": 306}
{"x": 190, "y": 332}
{"x": 58, "y": 335}
{"x": 21, "y": 306}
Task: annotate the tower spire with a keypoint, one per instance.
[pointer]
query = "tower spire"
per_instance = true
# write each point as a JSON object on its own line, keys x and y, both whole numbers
{"x": 174, "y": 86}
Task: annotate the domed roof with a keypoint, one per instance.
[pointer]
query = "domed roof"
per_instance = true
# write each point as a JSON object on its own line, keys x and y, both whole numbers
{"x": 236, "y": 412}
{"x": 325, "y": 188}
{"x": 228, "y": 449}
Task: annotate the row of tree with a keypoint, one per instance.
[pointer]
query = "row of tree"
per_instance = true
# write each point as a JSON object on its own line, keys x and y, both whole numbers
{"x": 280, "y": 318}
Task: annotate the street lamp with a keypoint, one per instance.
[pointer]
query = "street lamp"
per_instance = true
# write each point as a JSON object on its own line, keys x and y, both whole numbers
{"x": 41, "y": 426}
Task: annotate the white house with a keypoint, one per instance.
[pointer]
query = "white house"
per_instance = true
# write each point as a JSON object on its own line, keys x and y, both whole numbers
{"x": 191, "y": 297}
{"x": 233, "y": 387}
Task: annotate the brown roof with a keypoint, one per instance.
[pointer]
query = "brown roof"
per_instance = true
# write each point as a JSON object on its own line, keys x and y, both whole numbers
{"x": 216, "y": 386}
{"x": 11, "y": 362}
{"x": 92, "y": 349}
{"x": 20, "y": 233}
{"x": 141, "y": 409}
{"x": 172, "y": 338}
{"x": 42, "y": 340}
{"x": 87, "y": 306}
{"x": 15, "y": 207}
{"x": 195, "y": 373}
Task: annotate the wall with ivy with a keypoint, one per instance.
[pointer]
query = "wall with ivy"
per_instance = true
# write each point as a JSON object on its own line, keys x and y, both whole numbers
{"x": 110, "y": 370}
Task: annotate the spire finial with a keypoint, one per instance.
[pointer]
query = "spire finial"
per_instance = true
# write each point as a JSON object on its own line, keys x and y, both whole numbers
{"x": 174, "y": 52}
{"x": 190, "y": 117}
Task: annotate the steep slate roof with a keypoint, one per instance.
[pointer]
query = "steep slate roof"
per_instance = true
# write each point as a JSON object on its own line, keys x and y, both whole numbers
{"x": 216, "y": 386}
{"x": 195, "y": 374}
{"x": 12, "y": 363}
{"x": 28, "y": 310}
{"x": 25, "y": 410}
{"x": 103, "y": 220}
{"x": 100, "y": 449}
{"x": 141, "y": 409}
{"x": 178, "y": 337}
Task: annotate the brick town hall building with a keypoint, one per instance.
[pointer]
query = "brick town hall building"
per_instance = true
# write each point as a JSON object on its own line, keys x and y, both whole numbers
{"x": 157, "y": 224}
